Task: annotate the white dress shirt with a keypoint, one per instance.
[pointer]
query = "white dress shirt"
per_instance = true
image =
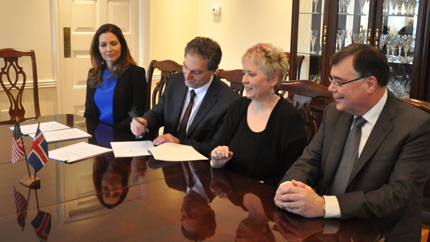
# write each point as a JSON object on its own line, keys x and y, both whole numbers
{"x": 200, "y": 94}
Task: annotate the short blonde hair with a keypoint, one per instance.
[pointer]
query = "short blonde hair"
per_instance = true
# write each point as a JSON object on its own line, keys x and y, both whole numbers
{"x": 269, "y": 58}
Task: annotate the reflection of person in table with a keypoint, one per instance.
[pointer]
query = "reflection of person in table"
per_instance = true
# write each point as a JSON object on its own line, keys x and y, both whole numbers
{"x": 253, "y": 197}
{"x": 255, "y": 227}
{"x": 263, "y": 134}
{"x": 198, "y": 218}
{"x": 110, "y": 178}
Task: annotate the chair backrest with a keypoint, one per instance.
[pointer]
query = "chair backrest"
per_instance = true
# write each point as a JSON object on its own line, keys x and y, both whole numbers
{"x": 425, "y": 214}
{"x": 299, "y": 60}
{"x": 234, "y": 77}
{"x": 303, "y": 92}
{"x": 167, "y": 68}
{"x": 13, "y": 80}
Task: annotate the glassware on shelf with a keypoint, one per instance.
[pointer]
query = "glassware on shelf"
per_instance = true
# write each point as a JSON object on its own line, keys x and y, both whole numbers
{"x": 406, "y": 42}
{"x": 399, "y": 6}
{"x": 382, "y": 41}
{"x": 314, "y": 34}
{"x": 398, "y": 44}
{"x": 340, "y": 37}
{"x": 394, "y": 6}
{"x": 362, "y": 2}
{"x": 389, "y": 47}
{"x": 343, "y": 6}
{"x": 315, "y": 5}
{"x": 386, "y": 7}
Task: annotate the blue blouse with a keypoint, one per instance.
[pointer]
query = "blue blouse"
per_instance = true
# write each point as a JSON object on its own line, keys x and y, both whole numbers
{"x": 103, "y": 97}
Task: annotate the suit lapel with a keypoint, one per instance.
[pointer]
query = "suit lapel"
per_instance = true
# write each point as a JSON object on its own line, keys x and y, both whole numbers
{"x": 208, "y": 102}
{"x": 382, "y": 128}
{"x": 336, "y": 148}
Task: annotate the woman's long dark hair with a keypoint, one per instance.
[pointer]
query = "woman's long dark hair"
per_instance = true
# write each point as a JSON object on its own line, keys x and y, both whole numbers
{"x": 98, "y": 63}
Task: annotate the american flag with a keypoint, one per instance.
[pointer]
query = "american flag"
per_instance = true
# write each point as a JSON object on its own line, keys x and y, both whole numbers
{"x": 17, "y": 146}
{"x": 39, "y": 151}
{"x": 42, "y": 225}
{"x": 21, "y": 207}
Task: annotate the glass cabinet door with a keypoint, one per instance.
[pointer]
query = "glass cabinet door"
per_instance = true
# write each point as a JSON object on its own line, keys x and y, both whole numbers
{"x": 397, "y": 37}
{"x": 310, "y": 32}
{"x": 321, "y": 27}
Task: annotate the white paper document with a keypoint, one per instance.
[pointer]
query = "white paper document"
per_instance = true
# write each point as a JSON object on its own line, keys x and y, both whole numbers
{"x": 176, "y": 152}
{"x": 44, "y": 127}
{"x": 77, "y": 152}
{"x": 64, "y": 134}
{"x": 131, "y": 148}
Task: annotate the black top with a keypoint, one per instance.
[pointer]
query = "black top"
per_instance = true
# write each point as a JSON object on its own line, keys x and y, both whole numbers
{"x": 266, "y": 155}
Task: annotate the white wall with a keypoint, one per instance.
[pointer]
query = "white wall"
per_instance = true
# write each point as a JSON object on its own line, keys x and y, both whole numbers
{"x": 25, "y": 24}
{"x": 244, "y": 23}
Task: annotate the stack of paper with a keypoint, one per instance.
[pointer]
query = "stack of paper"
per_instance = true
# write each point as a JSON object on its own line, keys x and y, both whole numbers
{"x": 165, "y": 152}
{"x": 76, "y": 152}
{"x": 54, "y": 131}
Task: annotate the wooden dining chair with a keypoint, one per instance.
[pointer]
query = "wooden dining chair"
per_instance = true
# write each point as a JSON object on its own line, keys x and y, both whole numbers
{"x": 299, "y": 60}
{"x": 13, "y": 80}
{"x": 167, "y": 68}
{"x": 425, "y": 211}
{"x": 234, "y": 77}
{"x": 304, "y": 94}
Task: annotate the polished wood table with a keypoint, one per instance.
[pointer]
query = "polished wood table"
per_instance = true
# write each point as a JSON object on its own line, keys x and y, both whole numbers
{"x": 141, "y": 199}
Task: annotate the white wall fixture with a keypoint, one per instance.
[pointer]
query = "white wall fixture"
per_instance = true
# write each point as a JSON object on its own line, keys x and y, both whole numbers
{"x": 216, "y": 10}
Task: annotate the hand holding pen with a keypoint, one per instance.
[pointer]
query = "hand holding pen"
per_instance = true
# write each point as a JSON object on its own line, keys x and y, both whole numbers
{"x": 137, "y": 124}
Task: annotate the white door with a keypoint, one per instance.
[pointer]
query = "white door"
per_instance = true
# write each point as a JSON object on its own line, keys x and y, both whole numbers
{"x": 82, "y": 18}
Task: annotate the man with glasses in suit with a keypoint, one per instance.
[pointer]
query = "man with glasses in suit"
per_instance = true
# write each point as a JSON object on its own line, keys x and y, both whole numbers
{"x": 370, "y": 157}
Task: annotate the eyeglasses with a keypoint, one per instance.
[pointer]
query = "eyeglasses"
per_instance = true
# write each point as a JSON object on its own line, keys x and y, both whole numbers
{"x": 339, "y": 84}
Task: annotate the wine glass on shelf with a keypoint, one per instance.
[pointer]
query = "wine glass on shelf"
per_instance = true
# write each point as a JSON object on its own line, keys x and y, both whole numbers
{"x": 362, "y": 2}
{"x": 399, "y": 6}
{"x": 315, "y": 6}
{"x": 406, "y": 43}
{"x": 314, "y": 34}
{"x": 382, "y": 41}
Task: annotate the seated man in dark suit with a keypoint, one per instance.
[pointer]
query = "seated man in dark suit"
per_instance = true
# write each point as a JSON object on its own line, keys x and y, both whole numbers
{"x": 383, "y": 178}
{"x": 194, "y": 103}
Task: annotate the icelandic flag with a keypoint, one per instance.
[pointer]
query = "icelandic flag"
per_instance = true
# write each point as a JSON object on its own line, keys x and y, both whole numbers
{"x": 42, "y": 225}
{"x": 39, "y": 151}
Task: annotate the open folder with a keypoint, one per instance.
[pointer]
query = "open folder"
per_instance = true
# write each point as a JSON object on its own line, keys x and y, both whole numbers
{"x": 166, "y": 152}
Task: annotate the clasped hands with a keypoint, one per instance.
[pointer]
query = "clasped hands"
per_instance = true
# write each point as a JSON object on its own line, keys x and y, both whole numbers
{"x": 220, "y": 156}
{"x": 299, "y": 198}
{"x": 138, "y": 129}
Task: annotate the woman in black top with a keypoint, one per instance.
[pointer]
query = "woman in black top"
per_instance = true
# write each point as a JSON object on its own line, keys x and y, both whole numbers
{"x": 263, "y": 134}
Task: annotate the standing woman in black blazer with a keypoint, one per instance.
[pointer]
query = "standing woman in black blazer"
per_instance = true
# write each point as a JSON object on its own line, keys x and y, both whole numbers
{"x": 115, "y": 84}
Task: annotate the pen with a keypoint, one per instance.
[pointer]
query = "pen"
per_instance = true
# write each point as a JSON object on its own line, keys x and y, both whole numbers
{"x": 137, "y": 120}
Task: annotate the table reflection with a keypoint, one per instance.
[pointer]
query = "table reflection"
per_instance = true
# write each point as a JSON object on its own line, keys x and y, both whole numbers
{"x": 110, "y": 178}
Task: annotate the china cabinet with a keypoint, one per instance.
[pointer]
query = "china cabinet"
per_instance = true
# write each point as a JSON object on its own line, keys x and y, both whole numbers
{"x": 399, "y": 27}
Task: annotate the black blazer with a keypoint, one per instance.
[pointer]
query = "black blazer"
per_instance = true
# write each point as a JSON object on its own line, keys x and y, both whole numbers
{"x": 387, "y": 182}
{"x": 130, "y": 91}
{"x": 208, "y": 120}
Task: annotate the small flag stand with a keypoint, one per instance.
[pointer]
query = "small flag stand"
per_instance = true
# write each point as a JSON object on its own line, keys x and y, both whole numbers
{"x": 37, "y": 158}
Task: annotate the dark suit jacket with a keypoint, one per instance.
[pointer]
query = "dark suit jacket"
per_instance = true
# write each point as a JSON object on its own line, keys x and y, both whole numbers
{"x": 386, "y": 185}
{"x": 204, "y": 129}
{"x": 130, "y": 91}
